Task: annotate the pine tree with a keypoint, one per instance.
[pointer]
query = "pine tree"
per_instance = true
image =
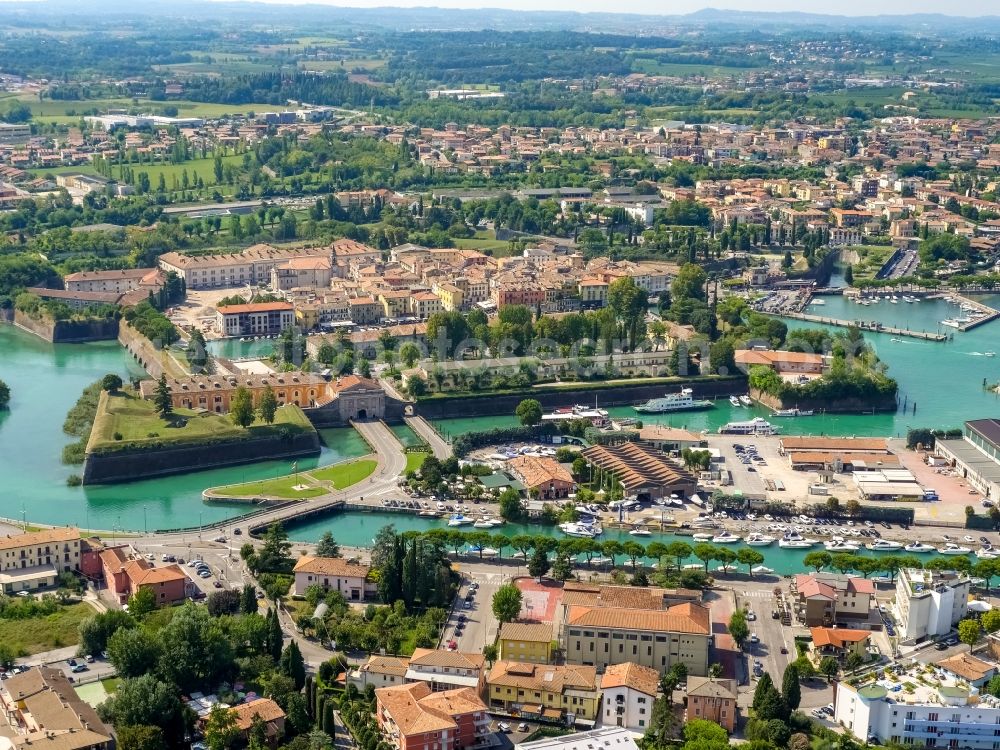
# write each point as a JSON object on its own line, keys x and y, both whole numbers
{"x": 764, "y": 685}
{"x": 161, "y": 398}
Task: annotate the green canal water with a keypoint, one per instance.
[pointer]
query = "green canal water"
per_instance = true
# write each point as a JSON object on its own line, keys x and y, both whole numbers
{"x": 943, "y": 379}
{"x": 358, "y": 530}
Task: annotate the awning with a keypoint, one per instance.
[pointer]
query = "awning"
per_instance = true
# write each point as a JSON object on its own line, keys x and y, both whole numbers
{"x": 552, "y": 713}
{"x": 978, "y": 605}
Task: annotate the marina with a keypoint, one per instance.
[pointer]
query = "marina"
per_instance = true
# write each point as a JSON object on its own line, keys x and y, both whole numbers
{"x": 867, "y": 325}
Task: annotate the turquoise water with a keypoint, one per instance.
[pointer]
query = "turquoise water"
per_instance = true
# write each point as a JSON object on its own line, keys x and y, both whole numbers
{"x": 358, "y": 530}
{"x": 45, "y": 381}
{"x": 236, "y": 349}
{"x": 944, "y": 380}
{"x": 405, "y": 434}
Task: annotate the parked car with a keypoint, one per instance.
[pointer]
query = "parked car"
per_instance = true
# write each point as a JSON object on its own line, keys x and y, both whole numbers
{"x": 504, "y": 727}
{"x": 80, "y": 668}
{"x": 89, "y": 659}
{"x": 522, "y": 727}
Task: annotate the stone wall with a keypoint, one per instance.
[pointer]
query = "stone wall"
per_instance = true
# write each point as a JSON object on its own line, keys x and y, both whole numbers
{"x": 842, "y": 406}
{"x": 141, "y": 349}
{"x": 490, "y": 404}
{"x": 126, "y": 466}
{"x": 67, "y": 331}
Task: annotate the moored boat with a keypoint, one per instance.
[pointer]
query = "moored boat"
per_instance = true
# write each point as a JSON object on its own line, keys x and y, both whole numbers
{"x": 682, "y": 401}
{"x": 459, "y": 520}
{"x": 759, "y": 540}
{"x": 725, "y": 538}
{"x": 637, "y": 531}
{"x": 918, "y": 547}
{"x": 755, "y": 426}
{"x": 884, "y": 545}
{"x": 953, "y": 549}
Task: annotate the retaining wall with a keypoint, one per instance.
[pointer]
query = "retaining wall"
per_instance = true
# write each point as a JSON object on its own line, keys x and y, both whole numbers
{"x": 67, "y": 331}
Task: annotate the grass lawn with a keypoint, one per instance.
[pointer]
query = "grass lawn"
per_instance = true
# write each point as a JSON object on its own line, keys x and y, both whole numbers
{"x": 36, "y": 634}
{"x": 871, "y": 258}
{"x": 344, "y": 475}
{"x": 414, "y": 461}
{"x": 312, "y": 483}
{"x": 111, "y": 684}
{"x": 138, "y": 424}
{"x": 203, "y": 168}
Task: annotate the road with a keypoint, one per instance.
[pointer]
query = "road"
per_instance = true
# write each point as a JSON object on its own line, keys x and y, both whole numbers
{"x": 431, "y": 436}
{"x": 479, "y": 626}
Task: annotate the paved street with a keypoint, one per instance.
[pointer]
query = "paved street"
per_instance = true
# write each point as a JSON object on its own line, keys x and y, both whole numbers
{"x": 420, "y": 426}
{"x": 480, "y": 626}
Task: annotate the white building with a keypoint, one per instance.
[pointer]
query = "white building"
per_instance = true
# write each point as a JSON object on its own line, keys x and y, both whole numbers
{"x": 380, "y": 671}
{"x": 929, "y": 602}
{"x": 628, "y": 694}
{"x": 606, "y": 738}
{"x": 334, "y": 574}
{"x": 945, "y": 713}
{"x": 446, "y": 670}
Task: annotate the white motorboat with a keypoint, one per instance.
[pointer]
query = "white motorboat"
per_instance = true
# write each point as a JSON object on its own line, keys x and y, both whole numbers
{"x": 968, "y": 539}
{"x": 702, "y": 537}
{"x": 746, "y": 401}
{"x": 483, "y": 523}
{"x": 459, "y": 520}
{"x": 794, "y": 540}
{"x": 918, "y": 547}
{"x": 693, "y": 566}
{"x": 576, "y": 412}
{"x": 640, "y": 532}
{"x": 953, "y": 549}
{"x": 761, "y": 570}
{"x": 725, "y": 538}
{"x": 839, "y": 544}
{"x": 884, "y": 545}
{"x": 584, "y": 530}
{"x": 759, "y": 540}
{"x": 794, "y": 412}
{"x": 987, "y": 553}
{"x": 734, "y": 401}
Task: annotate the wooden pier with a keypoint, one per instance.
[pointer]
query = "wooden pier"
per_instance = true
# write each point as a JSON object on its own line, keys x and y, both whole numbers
{"x": 866, "y": 325}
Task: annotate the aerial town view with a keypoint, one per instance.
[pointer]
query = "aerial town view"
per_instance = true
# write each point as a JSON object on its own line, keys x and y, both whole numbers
{"x": 549, "y": 377}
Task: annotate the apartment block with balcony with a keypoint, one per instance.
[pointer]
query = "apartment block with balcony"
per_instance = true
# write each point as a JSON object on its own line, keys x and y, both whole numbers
{"x": 544, "y": 692}
{"x": 35, "y": 560}
{"x": 629, "y": 691}
{"x": 929, "y": 603}
{"x": 828, "y": 599}
{"x": 414, "y": 717}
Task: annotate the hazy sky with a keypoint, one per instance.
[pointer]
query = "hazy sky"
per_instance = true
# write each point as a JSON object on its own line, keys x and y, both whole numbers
{"x": 840, "y": 7}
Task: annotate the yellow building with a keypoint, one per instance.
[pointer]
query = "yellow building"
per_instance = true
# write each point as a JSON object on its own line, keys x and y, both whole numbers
{"x": 34, "y": 560}
{"x": 526, "y": 641}
{"x": 593, "y": 292}
{"x": 450, "y": 295}
{"x": 544, "y": 691}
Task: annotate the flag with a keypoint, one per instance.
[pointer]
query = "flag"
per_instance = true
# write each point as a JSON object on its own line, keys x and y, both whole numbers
{"x": 295, "y": 465}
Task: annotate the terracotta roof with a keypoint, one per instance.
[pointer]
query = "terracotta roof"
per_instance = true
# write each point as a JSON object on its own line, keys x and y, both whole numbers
{"x": 147, "y": 576}
{"x": 429, "y": 657}
{"x": 860, "y": 585}
{"x": 394, "y": 665}
{"x": 817, "y": 443}
{"x": 531, "y": 632}
{"x": 351, "y": 382}
{"x": 536, "y": 471}
{"x": 255, "y": 307}
{"x": 809, "y": 587}
{"x": 711, "y": 687}
{"x": 681, "y": 618}
{"x": 828, "y": 457}
{"x": 770, "y": 358}
{"x": 661, "y": 432}
{"x": 416, "y": 710}
{"x": 330, "y": 566}
{"x": 967, "y": 666}
{"x": 839, "y": 637}
{"x": 265, "y": 708}
{"x": 636, "y": 465}
{"x": 632, "y": 676}
{"x": 46, "y": 536}
{"x": 623, "y": 597}
{"x": 543, "y": 677}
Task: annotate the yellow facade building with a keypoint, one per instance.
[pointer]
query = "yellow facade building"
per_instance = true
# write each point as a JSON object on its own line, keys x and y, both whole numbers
{"x": 544, "y": 691}
{"x": 526, "y": 641}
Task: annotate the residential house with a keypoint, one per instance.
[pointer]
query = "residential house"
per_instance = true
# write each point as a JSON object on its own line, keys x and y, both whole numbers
{"x": 125, "y": 576}
{"x": 264, "y": 710}
{"x": 712, "y": 699}
{"x": 542, "y": 475}
{"x": 334, "y": 574}
{"x": 786, "y": 364}
{"x": 629, "y": 691}
{"x": 839, "y": 643}
{"x": 413, "y": 717}
{"x": 526, "y": 641}
{"x": 970, "y": 668}
{"x": 380, "y": 671}
{"x": 827, "y": 599}
{"x": 544, "y": 692}
{"x": 447, "y": 670}
{"x": 35, "y": 560}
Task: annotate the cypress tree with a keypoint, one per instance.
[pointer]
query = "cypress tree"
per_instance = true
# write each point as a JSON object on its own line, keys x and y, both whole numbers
{"x": 275, "y": 638}
{"x": 790, "y": 689}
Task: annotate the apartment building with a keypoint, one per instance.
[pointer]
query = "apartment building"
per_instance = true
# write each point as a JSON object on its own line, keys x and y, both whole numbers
{"x": 526, "y": 641}
{"x": 828, "y": 599}
{"x": 600, "y": 636}
{"x": 628, "y": 692}
{"x": 250, "y": 266}
{"x": 35, "y": 560}
{"x": 302, "y": 273}
{"x": 712, "y": 699}
{"x": 125, "y": 576}
{"x": 334, "y": 574}
{"x": 943, "y": 713}
{"x": 447, "y": 670}
{"x": 255, "y": 319}
{"x": 413, "y": 717}
{"x": 929, "y": 602}
{"x": 544, "y": 692}
{"x": 117, "y": 282}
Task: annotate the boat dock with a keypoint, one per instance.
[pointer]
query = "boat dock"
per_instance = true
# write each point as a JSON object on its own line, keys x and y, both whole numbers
{"x": 988, "y": 313}
{"x": 867, "y": 325}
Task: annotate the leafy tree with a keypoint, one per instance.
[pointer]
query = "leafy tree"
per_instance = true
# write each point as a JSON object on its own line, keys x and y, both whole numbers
{"x": 241, "y": 407}
{"x": 511, "y": 508}
{"x": 147, "y": 701}
{"x": 268, "y": 405}
{"x": 221, "y": 731}
{"x": 750, "y": 557}
{"x": 133, "y": 652}
{"x": 409, "y": 353}
{"x": 538, "y": 565}
{"x": 416, "y": 386}
{"x": 293, "y": 665}
{"x": 790, "y": 688}
{"x": 248, "y": 599}
{"x": 96, "y": 630}
{"x": 828, "y": 667}
{"x": 274, "y": 555}
{"x": 738, "y": 628}
{"x": 327, "y": 546}
{"x": 773, "y": 732}
{"x": 817, "y": 560}
{"x": 490, "y": 653}
{"x": 506, "y": 603}
{"x": 529, "y": 411}
{"x": 195, "y": 652}
{"x": 226, "y": 602}
{"x": 161, "y": 398}
{"x": 680, "y": 551}
{"x": 990, "y": 621}
{"x": 140, "y": 737}
{"x": 111, "y": 383}
{"x": 705, "y": 552}
{"x": 142, "y": 602}
{"x": 969, "y": 632}
{"x": 700, "y": 734}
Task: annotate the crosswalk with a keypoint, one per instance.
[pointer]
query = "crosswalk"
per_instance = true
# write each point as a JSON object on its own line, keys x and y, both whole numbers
{"x": 755, "y": 595}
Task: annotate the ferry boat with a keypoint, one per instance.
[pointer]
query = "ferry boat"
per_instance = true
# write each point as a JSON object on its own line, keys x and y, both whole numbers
{"x": 755, "y": 426}
{"x": 746, "y": 400}
{"x": 725, "y": 538}
{"x": 918, "y": 547}
{"x": 576, "y": 412}
{"x": 839, "y": 544}
{"x": 953, "y": 549}
{"x": 459, "y": 520}
{"x": 884, "y": 545}
{"x": 673, "y": 402}
{"x": 637, "y": 531}
{"x": 759, "y": 540}
{"x": 734, "y": 401}
{"x": 761, "y": 570}
{"x": 584, "y": 530}
{"x": 794, "y": 412}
